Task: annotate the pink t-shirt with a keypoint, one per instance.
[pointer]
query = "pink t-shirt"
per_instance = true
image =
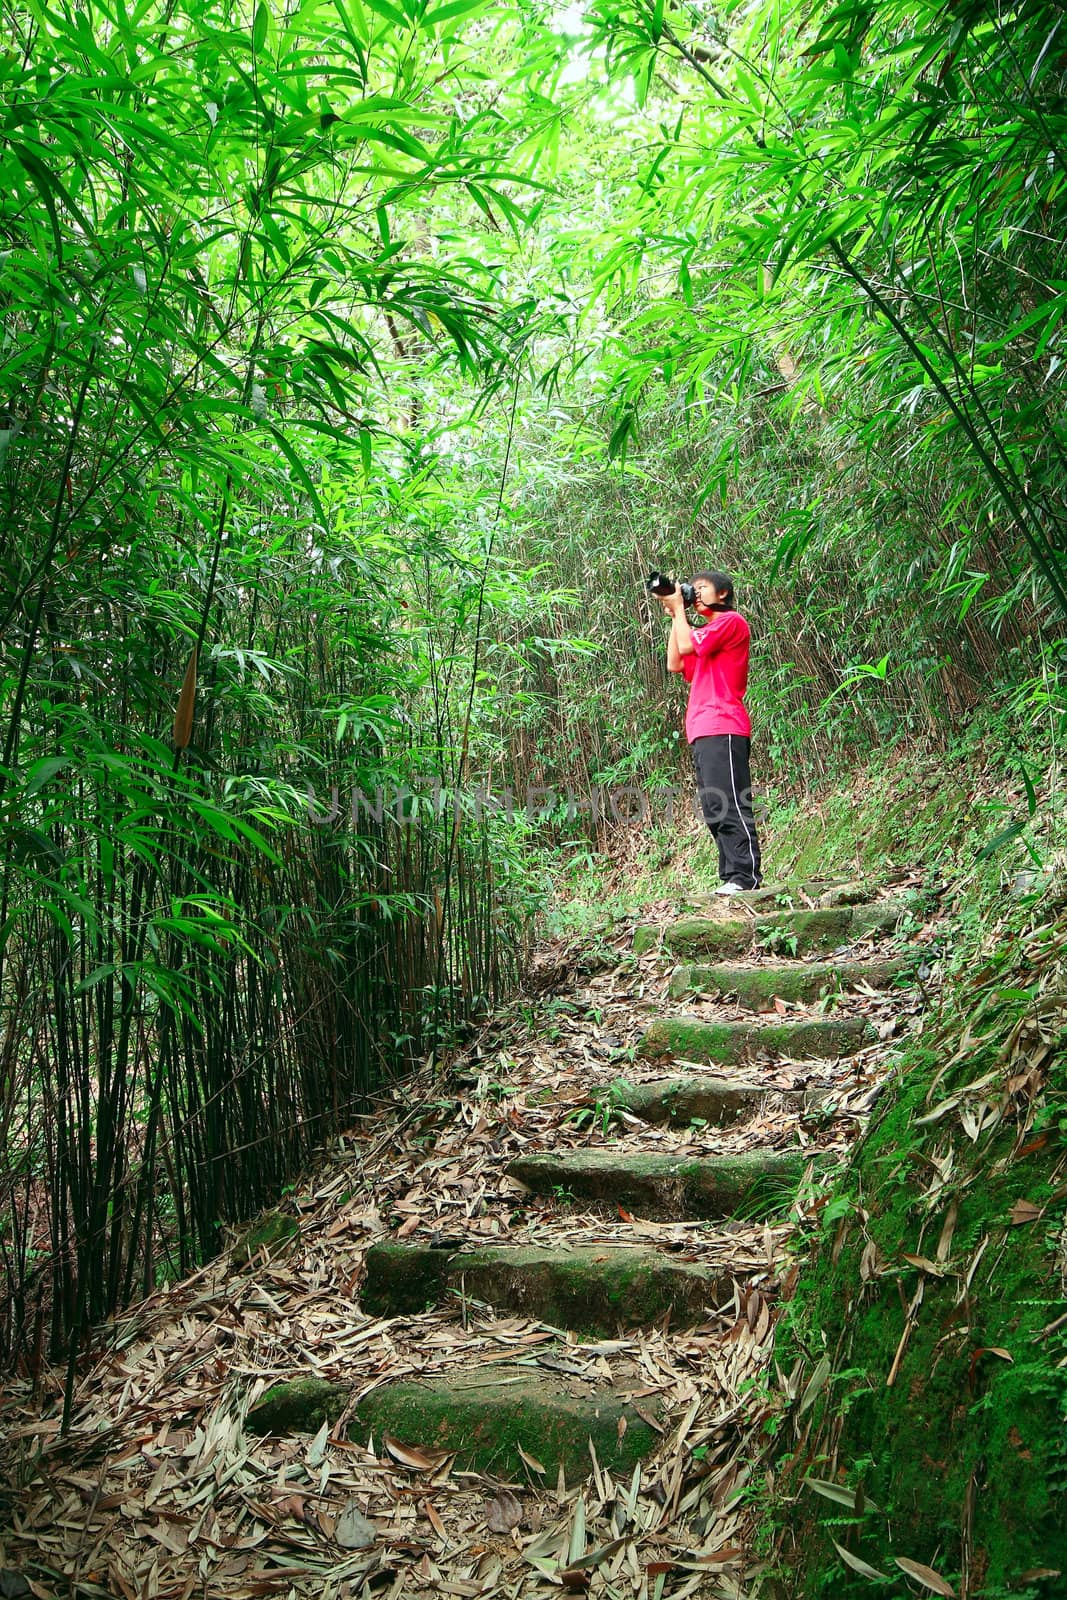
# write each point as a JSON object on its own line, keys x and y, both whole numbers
{"x": 717, "y": 675}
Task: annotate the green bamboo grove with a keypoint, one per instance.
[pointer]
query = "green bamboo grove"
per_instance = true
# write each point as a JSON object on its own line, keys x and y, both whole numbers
{"x": 357, "y": 359}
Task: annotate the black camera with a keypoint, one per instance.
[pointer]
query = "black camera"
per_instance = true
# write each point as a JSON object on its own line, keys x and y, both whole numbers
{"x": 658, "y": 583}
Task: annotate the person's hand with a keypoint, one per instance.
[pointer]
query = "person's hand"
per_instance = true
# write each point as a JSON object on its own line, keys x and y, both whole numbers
{"x": 672, "y": 603}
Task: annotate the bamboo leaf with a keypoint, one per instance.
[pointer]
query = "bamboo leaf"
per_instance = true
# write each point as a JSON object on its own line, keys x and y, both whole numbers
{"x": 183, "y": 714}
{"x": 840, "y": 1493}
{"x": 857, "y": 1564}
{"x": 926, "y": 1576}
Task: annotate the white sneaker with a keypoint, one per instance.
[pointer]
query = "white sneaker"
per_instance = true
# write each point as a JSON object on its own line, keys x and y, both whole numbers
{"x": 732, "y": 888}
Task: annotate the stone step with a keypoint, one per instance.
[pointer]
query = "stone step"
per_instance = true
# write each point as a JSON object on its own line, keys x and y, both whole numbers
{"x": 756, "y": 988}
{"x": 817, "y": 893}
{"x": 483, "y": 1416}
{"x": 696, "y": 1096}
{"x": 759, "y": 1182}
{"x": 788, "y": 932}
{"x": 591, "y": 1289}
{"x": 727, "y": 1043}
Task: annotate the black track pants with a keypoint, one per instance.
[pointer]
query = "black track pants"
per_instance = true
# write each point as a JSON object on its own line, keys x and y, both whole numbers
{"x": 724, "y": 789}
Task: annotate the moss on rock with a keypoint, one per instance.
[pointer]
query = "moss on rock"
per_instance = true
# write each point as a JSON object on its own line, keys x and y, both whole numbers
{"x": 725, "y": 1043}
{"x": 854, "y": 893}
{"x": 722, "y": 1042}
{"x": 756, "y": 1182}
{"x": 595, "y": 1289}
{"x": 646, "y": 937}
{"x": 793, "y": 932}
{"x": 272, "y": 1233}
{"x": 804, "y": 931}
{"x": 485, "y": 1416}
{"x": 402, "y": 1280}
{"x": 756, "y": 988}
{"x": 482, "y": 1416}
{"x": 301, "y": 1405}
{"x": 710, "y": 936}
{"x": 681, "y": 1100}
{"x": 964, "y": 1453}
{"x": 874, "y": 921}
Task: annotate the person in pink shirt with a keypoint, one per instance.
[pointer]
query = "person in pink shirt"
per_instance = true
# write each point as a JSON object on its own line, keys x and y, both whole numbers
{"x": 714, "y": 662}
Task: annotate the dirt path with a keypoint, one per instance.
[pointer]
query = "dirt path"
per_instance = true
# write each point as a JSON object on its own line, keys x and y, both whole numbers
{"x": 516, "y": 1337}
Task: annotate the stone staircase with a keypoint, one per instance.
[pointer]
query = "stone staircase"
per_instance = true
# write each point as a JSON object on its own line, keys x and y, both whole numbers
{"x": 721, "y": 1112}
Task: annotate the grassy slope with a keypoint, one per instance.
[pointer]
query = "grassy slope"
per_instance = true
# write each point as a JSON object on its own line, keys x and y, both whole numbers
{"x": 964, "y": 1452}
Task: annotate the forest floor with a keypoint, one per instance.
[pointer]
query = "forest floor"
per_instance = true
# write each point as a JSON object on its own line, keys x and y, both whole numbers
{"x": 160, "y": 1489}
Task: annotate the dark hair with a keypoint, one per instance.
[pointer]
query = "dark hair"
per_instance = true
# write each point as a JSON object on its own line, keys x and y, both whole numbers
{"x": 721, "y": 582}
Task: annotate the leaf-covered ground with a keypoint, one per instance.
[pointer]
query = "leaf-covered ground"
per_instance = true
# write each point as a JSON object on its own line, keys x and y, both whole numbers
{"x": 157, "y": 1489}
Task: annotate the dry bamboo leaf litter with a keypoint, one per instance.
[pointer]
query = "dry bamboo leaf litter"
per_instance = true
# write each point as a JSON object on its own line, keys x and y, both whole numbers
{"x": 158, "y": 1489}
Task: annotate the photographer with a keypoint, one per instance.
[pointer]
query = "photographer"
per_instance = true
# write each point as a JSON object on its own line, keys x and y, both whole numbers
{"x": 714, "y": 662}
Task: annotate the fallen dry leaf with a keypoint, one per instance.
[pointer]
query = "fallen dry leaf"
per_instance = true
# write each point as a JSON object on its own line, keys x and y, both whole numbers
{"x": 410, "y": 1455}
{"x": 858, "y": 1564}
{"x": 434, "y": 1519}
{"x": 927, "y": 1576}
{"x": 503, "y": 1513}
{"x": 354, "y": 1531}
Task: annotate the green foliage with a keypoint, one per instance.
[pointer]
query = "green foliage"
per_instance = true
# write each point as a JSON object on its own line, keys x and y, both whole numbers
{"x": 357, "y": 363}
{"x": 825, "y": 353}
{"x": 879, "y": 181}
{"x": 604, "y": 1113}
{"x": 227, "y": 243}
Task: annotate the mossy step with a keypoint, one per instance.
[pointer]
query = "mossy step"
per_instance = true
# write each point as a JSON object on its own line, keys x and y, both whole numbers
{"x": 779, "y": 896}
{"x": 756, "y": 988}
{"x": 483, "y": 1417}
{"x": 301, "y": 1405}
{"x": 592, "y": 1289}
{"x": 693, "y": 1096}
{"x": 268, "y": 1237}
{"x": 757, "y": 1182}
{"x": 776, "y": 898}
{"x": 726, "y": 1043}
{"x": 794, "y": 932}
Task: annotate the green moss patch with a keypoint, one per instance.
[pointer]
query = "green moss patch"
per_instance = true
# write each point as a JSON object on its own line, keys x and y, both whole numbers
{"x": 681, "y": 1100}
{"x": 484, "y": 1417}
{"x": 402, "y": 1280}
{"x": 803, "y": 931}
{"x": 793, "y": 932}
{"x": 757, "y": 1182}
{"x": 800, "y": 893}
{"x": 725, "y": 1043}
{"x": 301, "y": 1405}
{"x": 595, "y": 1289}
{"x": 271, "y": 1234}
{"x": 710, "y": 936}
{"x": 874, "y": 922}
{"x": 853, "y": 892}
{"x": 946, "y": 1390}
{"x": 756, "y": 988}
